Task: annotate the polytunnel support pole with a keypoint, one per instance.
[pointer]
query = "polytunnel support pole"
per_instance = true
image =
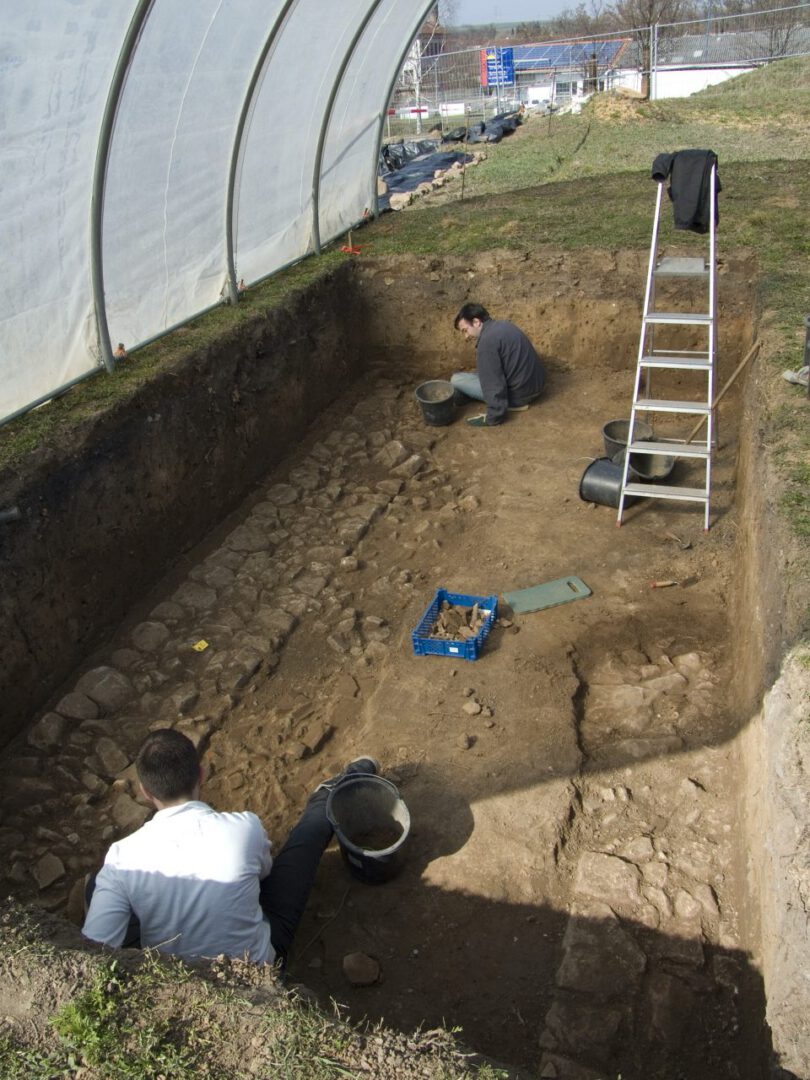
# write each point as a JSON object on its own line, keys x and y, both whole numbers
{"x": 384, "y": 109}
{"x": 247, "y": 104}
{"x": 100, "y": 178}
{"x": 327, "y": 116}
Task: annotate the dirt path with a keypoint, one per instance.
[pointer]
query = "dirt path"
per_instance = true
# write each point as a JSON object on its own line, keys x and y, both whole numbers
{"x": 570, "y": 892}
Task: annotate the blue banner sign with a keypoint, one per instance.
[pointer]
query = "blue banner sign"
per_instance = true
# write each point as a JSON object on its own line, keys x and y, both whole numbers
{"x": 497, "y": 66}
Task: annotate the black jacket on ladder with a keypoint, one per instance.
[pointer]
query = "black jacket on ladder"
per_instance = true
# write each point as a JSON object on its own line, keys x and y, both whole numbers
{"x": 689, "y": 172}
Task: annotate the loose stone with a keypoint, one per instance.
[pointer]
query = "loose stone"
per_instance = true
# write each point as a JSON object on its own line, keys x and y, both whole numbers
{"x": 107, "y": 687}
{"x": 48, "y": 732}
{"x": 608, "y": 878}
{"x": 48, "y": 869}
{"x": 111, "y": 757}
{"x": 282, "y": 495}
{"x": 686, "y": 907}
{"x": 410, "y": 467}
{"x": 471, "y": 708}
{"x": 195, "y": 596}
{"x": 639, "y": 850}
{"x": 77, "y": 707}
{"x": 360, "y": 969}
{"x": 600, "y": 957}
{"x": 220, "y": 577}
{"x": 391, "y": 455}
{"x": 185, "y": 698}
{"x": 125, "y": 659}
{"x": 168, "y": 612}
{"x": 149, "y": 636}
{"x": 247, "y": 539}
{"x": 129, "y": 815}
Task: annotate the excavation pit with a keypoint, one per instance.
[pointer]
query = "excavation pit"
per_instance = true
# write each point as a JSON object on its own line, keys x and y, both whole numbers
{"x": 575, "y": 885}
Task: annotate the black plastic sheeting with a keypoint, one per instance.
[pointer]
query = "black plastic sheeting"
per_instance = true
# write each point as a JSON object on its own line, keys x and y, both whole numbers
{"x": 491, "y": 132}
{"x": 407, "y": 164}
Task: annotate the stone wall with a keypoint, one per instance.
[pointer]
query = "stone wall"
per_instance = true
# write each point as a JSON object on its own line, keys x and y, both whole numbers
{"x": 153, "y": 475}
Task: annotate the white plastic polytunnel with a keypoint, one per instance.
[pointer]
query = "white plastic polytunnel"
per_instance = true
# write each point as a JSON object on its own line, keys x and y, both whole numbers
{"x": 154, "y": 153}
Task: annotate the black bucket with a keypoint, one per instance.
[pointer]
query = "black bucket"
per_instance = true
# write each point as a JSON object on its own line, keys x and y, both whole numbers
{"x": 602, "y": 483}
{"x": 437, "y": 401}
{"x": 371, "y": 822}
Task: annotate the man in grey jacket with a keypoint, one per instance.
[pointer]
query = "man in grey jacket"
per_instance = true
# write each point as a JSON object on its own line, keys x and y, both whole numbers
{"x": 510, "y": 374}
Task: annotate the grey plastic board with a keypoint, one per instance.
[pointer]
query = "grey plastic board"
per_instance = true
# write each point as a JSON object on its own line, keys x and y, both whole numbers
{"x": 550, "y": 594}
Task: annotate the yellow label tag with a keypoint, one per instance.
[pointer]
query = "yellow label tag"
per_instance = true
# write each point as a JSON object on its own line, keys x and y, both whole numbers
{"x": 200, "y": 646}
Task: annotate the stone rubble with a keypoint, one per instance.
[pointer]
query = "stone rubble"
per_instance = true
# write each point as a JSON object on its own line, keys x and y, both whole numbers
{"x": 286, "y": 569}
{"x": 647, "y": 906}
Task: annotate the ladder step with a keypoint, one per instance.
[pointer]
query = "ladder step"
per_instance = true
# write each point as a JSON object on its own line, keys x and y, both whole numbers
{"x": 679, "y": 318}
{"x": 699, "y": 408}
{"x": 671, "y": 449}
{"x": 693, "y": 363}
{"x": 666, "y": 491}
{"x": 680, "y": 266}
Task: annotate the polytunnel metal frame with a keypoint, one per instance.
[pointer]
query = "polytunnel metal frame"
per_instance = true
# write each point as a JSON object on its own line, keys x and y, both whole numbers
{"x": 105, "y": 135}
{"x": 388, "y": 96}
{"x": 247, "y": 104}
{"x": 327, "y": 116}
{"x": 129, "y": 46}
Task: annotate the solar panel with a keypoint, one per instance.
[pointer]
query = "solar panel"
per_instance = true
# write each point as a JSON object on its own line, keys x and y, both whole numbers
{"x": 560, "y": 53}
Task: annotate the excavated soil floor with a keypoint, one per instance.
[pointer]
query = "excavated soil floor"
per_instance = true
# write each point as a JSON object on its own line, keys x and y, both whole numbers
{"x": 571, "y": 889}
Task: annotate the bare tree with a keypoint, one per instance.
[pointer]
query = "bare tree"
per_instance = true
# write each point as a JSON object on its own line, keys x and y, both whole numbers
{"x": 637, "y": 16}
{"x": 448, "y": 12}
{"x": 779, "y": 27}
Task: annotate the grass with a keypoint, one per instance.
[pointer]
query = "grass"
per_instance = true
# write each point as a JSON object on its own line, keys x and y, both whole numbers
{"x": 102, "y": 392}
{"x": 151, "y": 1018}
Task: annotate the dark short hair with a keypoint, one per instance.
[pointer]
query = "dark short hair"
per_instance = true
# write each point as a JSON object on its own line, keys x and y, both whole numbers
{"x": 168, "y": 765}
{"x": 470, "y": 312}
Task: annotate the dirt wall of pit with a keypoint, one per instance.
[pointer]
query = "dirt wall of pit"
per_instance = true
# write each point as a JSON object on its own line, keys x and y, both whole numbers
{"x": 578, "y": 308}
{"x": 770, "y": 611}
{"x": 103, "y": 517}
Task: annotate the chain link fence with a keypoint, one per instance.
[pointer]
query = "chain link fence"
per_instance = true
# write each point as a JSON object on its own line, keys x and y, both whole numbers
{"x": 441, "y": 91}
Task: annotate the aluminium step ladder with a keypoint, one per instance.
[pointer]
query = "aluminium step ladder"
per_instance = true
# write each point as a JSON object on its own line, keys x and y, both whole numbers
{"x": 697, "y": 363}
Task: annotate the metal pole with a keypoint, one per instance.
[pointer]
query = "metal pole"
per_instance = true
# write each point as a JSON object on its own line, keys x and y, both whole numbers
{"x": 654, "y": 66}
{"x": 327, "y": 116}
{"x": 417, "y": 85}
{"x": 384, "y": 109}
{"x": 128, "y": 47}
{"x": 236, "y": 151}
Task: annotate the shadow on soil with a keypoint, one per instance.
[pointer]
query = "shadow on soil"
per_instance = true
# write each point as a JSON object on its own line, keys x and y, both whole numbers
{"x": 585, "y": 996}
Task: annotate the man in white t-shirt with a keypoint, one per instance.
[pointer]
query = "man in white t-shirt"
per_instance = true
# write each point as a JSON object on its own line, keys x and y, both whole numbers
{"x": 198, "y": 883}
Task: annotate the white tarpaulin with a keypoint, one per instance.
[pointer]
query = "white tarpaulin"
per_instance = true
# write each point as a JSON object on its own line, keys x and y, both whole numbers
{"x": 305, "y": 81}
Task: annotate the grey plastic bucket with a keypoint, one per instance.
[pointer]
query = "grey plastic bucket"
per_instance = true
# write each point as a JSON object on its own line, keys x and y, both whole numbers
{"x": 437, "y": 401}
{"x": 372, "y": 823}
{"x": 602, "y": 483}
{"x": 646, "y": 466}
{"x": 615, "y": 434}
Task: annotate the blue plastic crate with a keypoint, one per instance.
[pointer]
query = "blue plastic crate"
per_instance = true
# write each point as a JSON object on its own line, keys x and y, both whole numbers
{"x": 425, "y": 645}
